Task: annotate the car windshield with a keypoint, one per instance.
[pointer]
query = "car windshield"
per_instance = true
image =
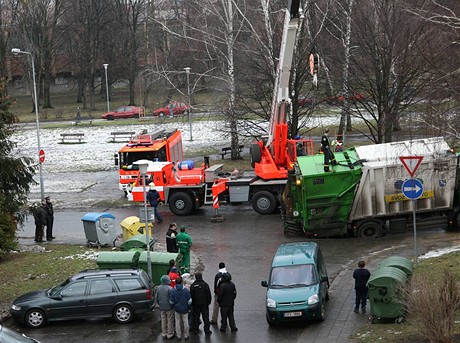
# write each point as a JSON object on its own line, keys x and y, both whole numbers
{"x": 56, "y": 290}
{"x": 293, "y": 276}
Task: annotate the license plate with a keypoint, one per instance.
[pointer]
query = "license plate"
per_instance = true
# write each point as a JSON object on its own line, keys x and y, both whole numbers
{"x": 293, "y": 314}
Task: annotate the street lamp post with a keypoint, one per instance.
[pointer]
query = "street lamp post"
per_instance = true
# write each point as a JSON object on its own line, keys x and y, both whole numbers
{"x": 17, "y": 51}
{"x": 105, "y": 65}
{"x": 143, "y": 172}
{"x": 187, "y": 71}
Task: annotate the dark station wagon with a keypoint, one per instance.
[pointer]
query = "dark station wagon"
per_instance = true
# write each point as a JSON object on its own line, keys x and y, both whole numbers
{"x": 119, "y": 294}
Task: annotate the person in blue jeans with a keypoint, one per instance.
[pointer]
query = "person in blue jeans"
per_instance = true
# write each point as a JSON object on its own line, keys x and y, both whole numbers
{"x": 153, "y": 197}
{"x": 361, "y": 276}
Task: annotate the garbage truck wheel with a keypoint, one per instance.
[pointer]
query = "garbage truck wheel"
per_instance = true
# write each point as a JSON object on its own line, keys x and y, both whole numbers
{"x": 370, "y": 229}
{"x": 122, "y": 314}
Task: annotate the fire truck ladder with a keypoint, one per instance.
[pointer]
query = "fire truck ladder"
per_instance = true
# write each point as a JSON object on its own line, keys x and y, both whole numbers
{"x": 208, "y": 199}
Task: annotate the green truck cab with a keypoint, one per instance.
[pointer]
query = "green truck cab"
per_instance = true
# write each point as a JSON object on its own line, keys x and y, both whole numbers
{"x": 298, "y": 284}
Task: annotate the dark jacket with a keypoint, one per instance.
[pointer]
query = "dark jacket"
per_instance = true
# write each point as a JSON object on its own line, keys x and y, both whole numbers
{"x": 361, "y": 276}
{"x": 49, "y": 210}
{"x": 200, "y": 292}
{"x": 180, "y": 298}
{"x": 153, "y": 197}
{"x": 40, "y": 216}
{"x": 218, "y": 279}
{"x": 227, "y": 291}
{"x": 171, "y": 245}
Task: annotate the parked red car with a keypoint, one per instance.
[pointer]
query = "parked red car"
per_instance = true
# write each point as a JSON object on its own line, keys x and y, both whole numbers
{"x": 353, "y": 97}
{"x": 178, "y": 109}
{"x": 123, "y": 112}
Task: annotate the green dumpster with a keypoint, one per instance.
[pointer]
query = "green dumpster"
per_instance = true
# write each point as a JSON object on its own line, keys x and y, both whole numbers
{"x": 137, "y": 242}
{"x": 398, "y": 262}
{"x": 116, "y": 260}
{"x": 384, "y": 293}
{"x": 160, "y": 263}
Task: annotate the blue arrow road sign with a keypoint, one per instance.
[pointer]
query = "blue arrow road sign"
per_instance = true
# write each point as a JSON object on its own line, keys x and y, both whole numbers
{"x": 412, "y": 188}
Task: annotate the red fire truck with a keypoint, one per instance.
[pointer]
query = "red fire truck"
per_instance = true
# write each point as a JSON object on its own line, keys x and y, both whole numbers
{"x": 160, "y": 145}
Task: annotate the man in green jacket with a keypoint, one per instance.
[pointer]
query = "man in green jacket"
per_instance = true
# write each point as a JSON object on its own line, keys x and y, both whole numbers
{"x": 184, "y": 243}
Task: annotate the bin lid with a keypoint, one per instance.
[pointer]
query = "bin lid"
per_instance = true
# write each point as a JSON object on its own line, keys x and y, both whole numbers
{"x": 127, "y": 222}
{"x": 136, "y": 241}
{"x": 117, "y": 257}
{"x": 386, "y": 276}
{"x": 158, "y": 257}
{"x": 94, "y": 216}
{"x": 398, "y": 262}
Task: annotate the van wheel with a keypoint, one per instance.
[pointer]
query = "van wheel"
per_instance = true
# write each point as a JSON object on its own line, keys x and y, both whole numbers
{"x": 322, "y": 311}
{"x": 270, "y": 322}
{"x": 122, "y": 314}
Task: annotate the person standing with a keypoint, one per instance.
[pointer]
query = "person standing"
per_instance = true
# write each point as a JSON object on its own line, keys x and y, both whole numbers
{"x": 201, "y": 298}
{"x": 217, "y": 282}
{"x": 180, "y": 298}
{"x": 40, "y": 221}
{"x": 226, "y": 299}
{"x": 173, "y": 275}
{"x": 49, "y": 219}
{"x": 184, "y": 243}
{"x": 327, "y": 151}
{"x": 166, "y": 308}
{"x": 171, "y": 244}
{"x": 361, "y": 276}
{"x": 153, "y": 197}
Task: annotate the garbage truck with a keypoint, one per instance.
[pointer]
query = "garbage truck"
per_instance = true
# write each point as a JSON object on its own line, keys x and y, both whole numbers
{"x": 362, "y": 195}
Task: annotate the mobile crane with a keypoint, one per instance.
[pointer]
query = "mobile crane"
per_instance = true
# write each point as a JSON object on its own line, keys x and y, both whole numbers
{"x": 186, "y": 189}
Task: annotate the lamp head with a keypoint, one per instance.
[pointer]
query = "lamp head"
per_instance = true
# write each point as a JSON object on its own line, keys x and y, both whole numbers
{"x": 142, "y": 167}
{"x": 16, "y": 51}
{"x": 187, "y": 69}
{"x": 105, "y": 65}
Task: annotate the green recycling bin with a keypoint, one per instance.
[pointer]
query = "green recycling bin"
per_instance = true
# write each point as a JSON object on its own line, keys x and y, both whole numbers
{"x": 118, "y": 260}
{"x": 398, "y": 262}
{"x": 137, "y": 242}
{"x": 160, "y": 263}
{"x": 384, "y": 293}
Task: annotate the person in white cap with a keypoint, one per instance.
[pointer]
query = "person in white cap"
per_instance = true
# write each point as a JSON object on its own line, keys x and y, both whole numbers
{"x": 153, "y": 197}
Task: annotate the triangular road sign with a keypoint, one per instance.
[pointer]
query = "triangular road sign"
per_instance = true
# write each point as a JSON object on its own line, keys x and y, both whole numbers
{"x": 411, "y": 163}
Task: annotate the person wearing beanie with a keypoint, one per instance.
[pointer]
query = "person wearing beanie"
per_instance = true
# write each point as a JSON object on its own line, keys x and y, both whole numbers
{"x": 201, "y": 298}
{"x": 39, "y": 213}
{"x": 166, "y": 308}
{"x": 217, "y": 282}
{"x": 153, "y": 198}
{"x": 226, "y": 299}
{"x": 180, "y": 298}
{"x": 184, "y": 243}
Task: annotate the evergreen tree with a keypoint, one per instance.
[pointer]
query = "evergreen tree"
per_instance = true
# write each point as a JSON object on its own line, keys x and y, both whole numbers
{"x": 16, "y": 175}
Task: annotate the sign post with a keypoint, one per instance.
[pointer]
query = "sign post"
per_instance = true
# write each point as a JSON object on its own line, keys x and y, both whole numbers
{"x": 413, "y": 189}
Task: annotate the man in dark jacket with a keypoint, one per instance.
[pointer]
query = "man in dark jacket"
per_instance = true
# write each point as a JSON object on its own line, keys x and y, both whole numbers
{"x": 49, "y": 219}
{"x": 153, "y": 197}
{"x": 361, "y": 276}
{"x": 171, "y": 244}
{"x": 180, "y": 298}
{"x": 40, "y": 221}
{"x": 201, "y": 298}
{"x": 217, "y": 282}
{"x": 226, "y": 299}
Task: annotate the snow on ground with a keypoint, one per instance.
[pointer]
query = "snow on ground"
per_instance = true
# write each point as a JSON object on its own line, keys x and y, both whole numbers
{"x": 439, "y": 252}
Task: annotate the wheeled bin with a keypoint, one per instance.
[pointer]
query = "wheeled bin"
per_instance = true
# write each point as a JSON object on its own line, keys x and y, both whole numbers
{"x": 398, "y": 262}
{"x": 160, "y": 263}
{"x": 384, "y": 293}
{"x": 99, "y": 228}
{"x": 131, "y": 226}
{"x": 118, "y": 260}
{"x": 137, "y": 242}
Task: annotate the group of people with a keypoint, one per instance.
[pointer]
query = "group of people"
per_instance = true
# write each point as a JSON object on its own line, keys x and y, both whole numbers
{"x": 44, "y": 216}
{"x": 183, "y": 307}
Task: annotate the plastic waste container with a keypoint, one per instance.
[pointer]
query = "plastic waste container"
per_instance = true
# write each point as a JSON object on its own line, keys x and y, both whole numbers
{"x": 99, "y": 228}
{"x": 118, "y": 260}
{"x": 131, "y": 226}
{"x": 160, "y": 263}
{"x": 398, "y": 262}
{"x": 137, "y": 242}
{"x": 384, "y": 293}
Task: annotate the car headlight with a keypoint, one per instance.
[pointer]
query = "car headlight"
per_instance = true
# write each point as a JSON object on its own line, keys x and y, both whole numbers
{"x": 271, "y": 303}
{"x": 313, "y": 299}
{"x": 16, "y": 307}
